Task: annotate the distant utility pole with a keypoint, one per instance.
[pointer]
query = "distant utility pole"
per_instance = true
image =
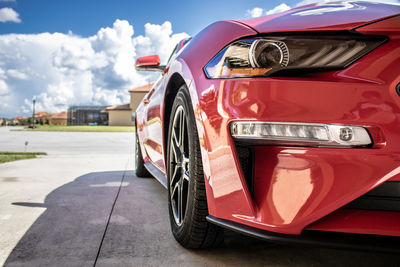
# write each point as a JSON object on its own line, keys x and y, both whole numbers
{"x": 33, "y": 111}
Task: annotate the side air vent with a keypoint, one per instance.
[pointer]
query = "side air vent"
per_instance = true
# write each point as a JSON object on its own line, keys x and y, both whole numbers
{"x": 384, "y": 197}
{"x": 245, "y": 155}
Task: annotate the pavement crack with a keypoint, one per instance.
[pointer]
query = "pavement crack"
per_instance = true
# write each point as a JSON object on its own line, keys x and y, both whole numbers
{"x": 111, "y": 213}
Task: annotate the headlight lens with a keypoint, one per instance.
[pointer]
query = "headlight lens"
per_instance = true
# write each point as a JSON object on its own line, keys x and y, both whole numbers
{"x": 282, "y": 55}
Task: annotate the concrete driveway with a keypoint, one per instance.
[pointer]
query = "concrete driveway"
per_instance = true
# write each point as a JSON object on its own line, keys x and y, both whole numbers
{"x": 82, "y": 205}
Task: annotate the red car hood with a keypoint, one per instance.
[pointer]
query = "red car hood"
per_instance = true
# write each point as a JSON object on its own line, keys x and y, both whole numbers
{"x": 324, "y": 16}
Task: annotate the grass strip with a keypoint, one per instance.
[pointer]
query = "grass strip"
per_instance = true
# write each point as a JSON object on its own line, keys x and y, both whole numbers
{"x": 8, "y": 156}
{"x": 22, "y": 153}
{"x": 80, "y": 128}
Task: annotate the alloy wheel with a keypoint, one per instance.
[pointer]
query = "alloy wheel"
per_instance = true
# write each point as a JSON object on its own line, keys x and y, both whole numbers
{"x": 179, "y": 166}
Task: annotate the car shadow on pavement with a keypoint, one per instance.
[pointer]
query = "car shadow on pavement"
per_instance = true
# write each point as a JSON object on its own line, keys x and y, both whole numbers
{"x": 71, "y": 232}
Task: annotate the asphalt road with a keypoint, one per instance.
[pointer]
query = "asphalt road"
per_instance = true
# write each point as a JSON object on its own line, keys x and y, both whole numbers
{"x": 82, "y": 205}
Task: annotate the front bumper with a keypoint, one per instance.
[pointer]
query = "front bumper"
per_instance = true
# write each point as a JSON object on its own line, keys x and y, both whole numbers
{"x": 293, "y": 187}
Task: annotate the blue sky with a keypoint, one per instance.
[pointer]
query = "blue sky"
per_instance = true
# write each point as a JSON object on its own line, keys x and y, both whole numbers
{"x": 86, "y": 17}
{"x": 70, "y": 52}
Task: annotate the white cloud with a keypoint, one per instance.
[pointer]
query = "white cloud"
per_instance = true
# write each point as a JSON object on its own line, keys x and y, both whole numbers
{"x": 17, "y": 74}
{"x": 278, "y": 9}
{"x": 65, "y": 69}
{"x": 3, "y": 88}
{"x": 158, "y": 39}
{"x": 255, "y": 12}
{"x": 9, "y": 15}
{"x": 2, "y": 74}
{"x": 258, "y": 11}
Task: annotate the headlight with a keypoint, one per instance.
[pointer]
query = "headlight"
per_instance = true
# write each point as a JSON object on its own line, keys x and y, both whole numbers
{"x": 281, "y": 55}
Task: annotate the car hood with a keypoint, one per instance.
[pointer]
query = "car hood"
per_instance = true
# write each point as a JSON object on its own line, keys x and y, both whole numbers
{"x": 324, "y": 16}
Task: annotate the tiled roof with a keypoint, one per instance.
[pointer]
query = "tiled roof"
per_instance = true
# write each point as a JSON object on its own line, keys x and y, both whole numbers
{"x": 120, "y": 107}
{"x": 41, "y": 114}
{"x": 143, "y": 88}
{"x": 18, "y": 118}
{"x": 59, "y": 115}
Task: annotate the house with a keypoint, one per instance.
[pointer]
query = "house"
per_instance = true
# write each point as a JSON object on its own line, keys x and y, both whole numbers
{"x": 42, "y": 117}
{"x": 137, "y": 94}
{"x": 87, "y": 115}
{"x": 59, "y": 118}
{"x": 18, "y": 120}
{"x": 121, "y": 115}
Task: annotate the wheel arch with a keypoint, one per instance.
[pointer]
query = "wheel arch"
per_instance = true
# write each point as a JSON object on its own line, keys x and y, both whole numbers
{"x": 181, "y": 73}
{"x": 174, "y": 83}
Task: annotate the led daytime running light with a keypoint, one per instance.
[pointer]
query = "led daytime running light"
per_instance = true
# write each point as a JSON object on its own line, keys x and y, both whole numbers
{"x": 301, "y": 133}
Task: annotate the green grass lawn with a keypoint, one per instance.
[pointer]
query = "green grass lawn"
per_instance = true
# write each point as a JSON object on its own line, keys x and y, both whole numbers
{"x": 13, "y": 156}
{"x": 81, "y": 128}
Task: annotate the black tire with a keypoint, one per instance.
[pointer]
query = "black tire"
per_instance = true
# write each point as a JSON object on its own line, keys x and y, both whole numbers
{"x": 141, "y": 170}
{"x": 187, "y": 201}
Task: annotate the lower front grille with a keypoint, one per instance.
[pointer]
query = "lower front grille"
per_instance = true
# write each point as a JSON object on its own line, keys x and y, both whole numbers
{"x": 245, "y": 155}
{"x": 384, "y": 197}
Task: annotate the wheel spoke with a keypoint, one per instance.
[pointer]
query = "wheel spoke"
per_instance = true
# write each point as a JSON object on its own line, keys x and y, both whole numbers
{"x": 186, "y": 176}
{"x": 175, "y": 147}
{"x": 175, "y": 190}
{"x": 175, "y": 176}
{"x": 181, "y": 129}
{"x": 180, "y": 195}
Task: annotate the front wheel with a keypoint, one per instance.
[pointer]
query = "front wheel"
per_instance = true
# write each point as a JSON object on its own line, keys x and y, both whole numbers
{"x": 187, "y": 199}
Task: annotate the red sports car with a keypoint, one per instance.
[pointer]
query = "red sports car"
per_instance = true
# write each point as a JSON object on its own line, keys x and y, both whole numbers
{"x": 279, "y": 127}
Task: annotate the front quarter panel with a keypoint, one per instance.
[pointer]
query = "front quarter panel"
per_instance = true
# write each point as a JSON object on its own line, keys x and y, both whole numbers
{"x": 220, "y": 168}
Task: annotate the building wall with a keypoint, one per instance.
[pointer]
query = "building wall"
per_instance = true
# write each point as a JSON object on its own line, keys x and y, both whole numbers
{"x": 120, "y": 118}
{"x": 58, "y": 121}
{"x": 136, "y": 97}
